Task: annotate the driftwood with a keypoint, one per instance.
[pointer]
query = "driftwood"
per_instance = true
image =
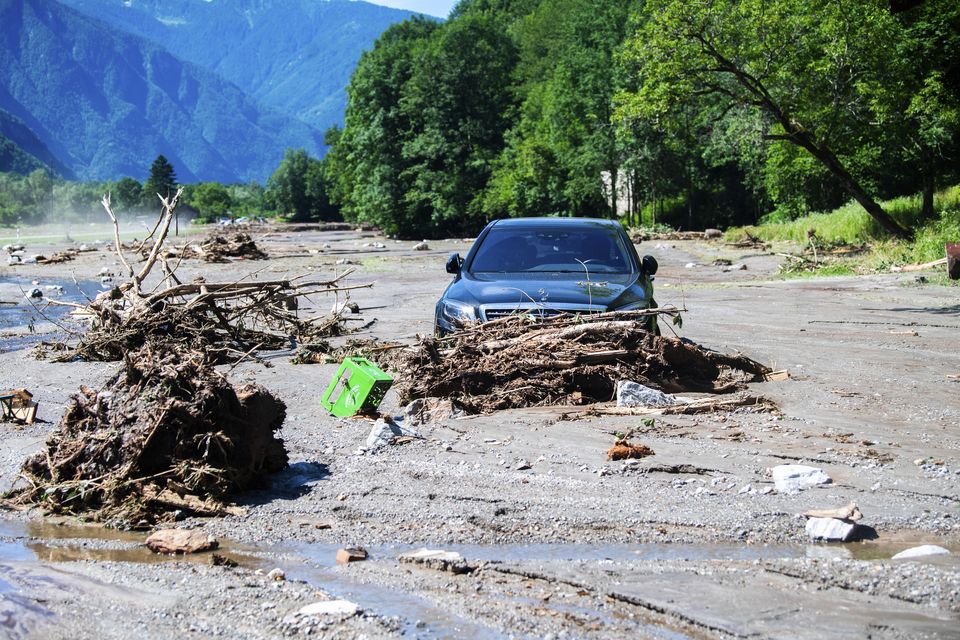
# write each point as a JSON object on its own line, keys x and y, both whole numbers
{"x": 224, "y": 322}
{"x": 573, "y": 360}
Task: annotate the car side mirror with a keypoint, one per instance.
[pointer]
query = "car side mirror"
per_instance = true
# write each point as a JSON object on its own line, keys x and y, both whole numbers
{"x": 649, "y": 265}
{"x": 454, "y": 262}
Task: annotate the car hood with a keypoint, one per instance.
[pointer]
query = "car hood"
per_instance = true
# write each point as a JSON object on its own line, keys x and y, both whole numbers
{"x": 606, "y": 289}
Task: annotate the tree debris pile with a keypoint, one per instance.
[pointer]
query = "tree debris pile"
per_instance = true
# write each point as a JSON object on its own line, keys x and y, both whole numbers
{"x": 225, "y": 322}
{"x": 221, "y": 247}
{"x": 569, "y": 360}
{"x": 165, "y": 434}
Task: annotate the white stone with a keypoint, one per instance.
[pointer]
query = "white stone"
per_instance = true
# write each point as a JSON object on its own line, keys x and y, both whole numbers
{"x": 330, "y": 608}
{"x": 277, "y": 574}
{"x": 921, "y": 551}
{"x": 436, "y": 559}
{"x": 634, "y": 394}
{"x": 421, "y": 246}
{"x": 830, "y": 529}
{"x": 792, "y": 478}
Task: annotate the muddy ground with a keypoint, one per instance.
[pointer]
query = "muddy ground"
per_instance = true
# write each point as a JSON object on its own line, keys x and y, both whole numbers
{"x": 573, "y": 546}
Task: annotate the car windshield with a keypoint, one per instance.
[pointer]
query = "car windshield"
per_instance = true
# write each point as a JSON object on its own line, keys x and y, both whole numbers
{"x": 592, "y": 249}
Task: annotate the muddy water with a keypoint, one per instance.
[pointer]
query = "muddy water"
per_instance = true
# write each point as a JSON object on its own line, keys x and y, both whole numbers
{"x": 25, "y": 549}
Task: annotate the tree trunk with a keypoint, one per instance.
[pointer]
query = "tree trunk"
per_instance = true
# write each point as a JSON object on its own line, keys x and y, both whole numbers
{"x": 926, "y": 211}
{"x": 825, "y": 155}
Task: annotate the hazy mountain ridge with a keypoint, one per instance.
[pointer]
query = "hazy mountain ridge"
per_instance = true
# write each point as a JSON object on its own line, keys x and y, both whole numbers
{"x": 293, "y": 55}
{"x": 106, "y": 103}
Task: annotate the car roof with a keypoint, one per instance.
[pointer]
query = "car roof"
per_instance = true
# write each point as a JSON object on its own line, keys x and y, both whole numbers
{"x": 548, "y": 221}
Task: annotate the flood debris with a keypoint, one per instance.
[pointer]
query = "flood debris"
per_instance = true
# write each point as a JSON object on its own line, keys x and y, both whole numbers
{"x": 385, "y": 432}
{"x": 177, "y": 541}
{"x": 850, "y": 512}
{"x": 634, "y": 394}
{"x": 332, "y": 608}
{"x": 165, "y": 436}
{"x": 351, "y": 554}
{"x": 517, "y": 362}
{"x": 18, "y": 406}
{"x": 228, "y": 246}
{"x": 623, "y": 450}
{"x": 224, "y": 322}
{"x": 834, "y": 525}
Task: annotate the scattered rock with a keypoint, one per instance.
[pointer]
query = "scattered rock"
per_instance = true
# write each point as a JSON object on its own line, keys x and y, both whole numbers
{"x": 277, "y": 575}
{"x": 172, "y": 541}
{"x": 12, "y": 260}
{"x": 793, "y": 478}
{"x": 522, "y": 465}
{"x": 421, "y": 246}
{"x": 634, "y": 394}
{"x": 830, "y": 529}
{"x": 218, "y": 560}
{"x": 34, "y": 294}
{"x": 342, "y": 608}
{"x": 351, "y": 554}
{"x": 342, "y": 261}
{"x": 921, "y": 551}
{"x": 711, "y": 234}
{"x": 436, "y": 559}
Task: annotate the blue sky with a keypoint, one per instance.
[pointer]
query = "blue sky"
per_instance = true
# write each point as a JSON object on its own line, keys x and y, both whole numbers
{"x": 439, "y": 8}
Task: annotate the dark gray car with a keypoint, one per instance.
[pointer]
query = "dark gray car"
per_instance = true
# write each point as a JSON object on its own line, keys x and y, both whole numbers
{"x": 543, "y": 267}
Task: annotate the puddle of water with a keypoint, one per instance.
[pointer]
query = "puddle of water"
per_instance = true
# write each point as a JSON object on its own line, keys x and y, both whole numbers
{"x": 34, "y": 543}
{"x": 408, "y": 608}
{"x": 23, "y": 313}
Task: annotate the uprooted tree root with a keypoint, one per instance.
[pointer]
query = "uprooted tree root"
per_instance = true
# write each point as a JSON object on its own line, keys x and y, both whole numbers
{"x": 165, "y": 434}
{"x": 572, "y": 360}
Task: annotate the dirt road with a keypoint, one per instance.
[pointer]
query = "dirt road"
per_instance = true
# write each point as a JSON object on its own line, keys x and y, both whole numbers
{"x": 692, "y": 542}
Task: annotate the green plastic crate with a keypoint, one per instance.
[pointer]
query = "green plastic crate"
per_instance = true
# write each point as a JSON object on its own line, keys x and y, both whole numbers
{"x": 362, "y": 386}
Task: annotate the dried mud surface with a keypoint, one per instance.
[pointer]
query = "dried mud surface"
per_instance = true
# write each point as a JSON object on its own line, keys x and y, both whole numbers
{"x": 564, "y": 542}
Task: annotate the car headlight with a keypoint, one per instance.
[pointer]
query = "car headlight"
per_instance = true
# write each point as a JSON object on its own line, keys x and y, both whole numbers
{"x": 457, "y": 313}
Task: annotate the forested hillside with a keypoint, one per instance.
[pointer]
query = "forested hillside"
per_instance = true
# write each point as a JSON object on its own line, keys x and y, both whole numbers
{"x": 21, "y": 151}
{"x": 106, "y": 103}
{"x": 293, "y": 55}
{"x": 696, "y": 114}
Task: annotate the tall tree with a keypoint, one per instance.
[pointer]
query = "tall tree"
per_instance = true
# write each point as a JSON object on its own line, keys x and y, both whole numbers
{"x": 162, "y": 181}
{"x": 809, "y": 66}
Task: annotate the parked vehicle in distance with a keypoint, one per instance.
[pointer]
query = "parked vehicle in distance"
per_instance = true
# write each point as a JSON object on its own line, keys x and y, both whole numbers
{"x": 544, "y": 267}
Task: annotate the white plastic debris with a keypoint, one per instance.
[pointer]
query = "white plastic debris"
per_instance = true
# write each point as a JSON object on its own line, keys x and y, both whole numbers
{"x": 634, "y": 394}
{"x": 330, "y": 608}
{"x": 921, "y": 551}
{"x": 383, "y": 432}
{"x": 792, "y": 478}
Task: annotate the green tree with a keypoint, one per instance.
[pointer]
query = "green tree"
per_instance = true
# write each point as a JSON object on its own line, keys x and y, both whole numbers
{"x": 127, "y": 194}
{"x": 297, "y": 187}
{"x": 212, "y": 200}
{"x": 162, "y": 181}
{"x": 366, "y": 161}
{"x": 819, "y": 72}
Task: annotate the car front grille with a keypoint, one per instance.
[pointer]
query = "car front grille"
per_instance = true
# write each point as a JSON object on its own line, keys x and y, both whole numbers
{"x": 495, "y": 312}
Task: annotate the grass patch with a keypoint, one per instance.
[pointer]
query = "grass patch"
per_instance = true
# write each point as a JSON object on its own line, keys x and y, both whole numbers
{"x": 850, "y": 225}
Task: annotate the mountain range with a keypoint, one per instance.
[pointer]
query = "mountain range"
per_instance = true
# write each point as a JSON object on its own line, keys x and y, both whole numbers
{"x": 222, "y": 88}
